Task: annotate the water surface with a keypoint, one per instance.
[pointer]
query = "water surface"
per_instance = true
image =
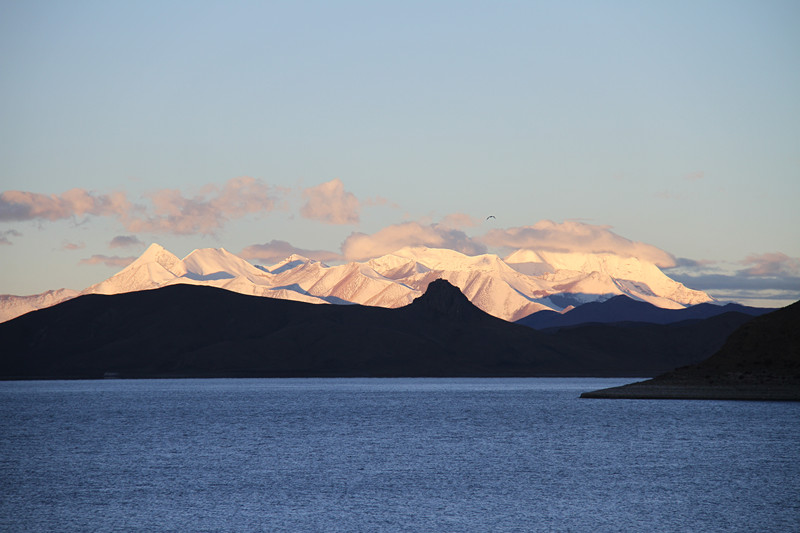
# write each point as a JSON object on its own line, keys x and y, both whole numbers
{"x": 389, "y": 455}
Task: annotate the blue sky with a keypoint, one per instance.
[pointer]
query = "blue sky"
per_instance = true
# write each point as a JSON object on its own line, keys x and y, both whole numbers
{"x": 196, "y": 124}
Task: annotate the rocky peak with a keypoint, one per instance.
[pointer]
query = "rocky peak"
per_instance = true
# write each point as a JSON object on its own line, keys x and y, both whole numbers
{"x": 443, "y": 298}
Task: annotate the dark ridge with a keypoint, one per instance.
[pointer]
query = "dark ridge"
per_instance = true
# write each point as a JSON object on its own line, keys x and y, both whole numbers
{"x": 197, "y": 331}
{"x": 625, "y": 309}
{"x": 759, "y": 361}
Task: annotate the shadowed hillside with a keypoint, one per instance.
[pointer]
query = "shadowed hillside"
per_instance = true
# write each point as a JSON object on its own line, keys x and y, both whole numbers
{"x": 195, "y": 331}
{"x": 625, "y": 309}
{"x": 759, "y": 361}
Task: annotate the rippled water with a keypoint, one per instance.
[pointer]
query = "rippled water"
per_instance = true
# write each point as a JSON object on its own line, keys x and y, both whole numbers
{"x": 389, "y": 455}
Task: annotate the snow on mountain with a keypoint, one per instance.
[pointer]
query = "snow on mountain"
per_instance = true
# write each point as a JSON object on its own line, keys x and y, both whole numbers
{"x": 525, "y": 282}
{"x": 155, "y": 267}
{"x": 14, "y": 306}
{"x": 211, "y": 264}
{"x": 623, "y": 275}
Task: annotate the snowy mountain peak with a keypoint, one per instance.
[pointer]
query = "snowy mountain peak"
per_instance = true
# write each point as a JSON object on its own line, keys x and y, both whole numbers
{"x": 216, "y": 263}
{"x": 524, "y": 256}
{"x": 156, "y": 253}
{"x": 450, "y": 260}
{"x": 293, "y": 261}
{"x": 301, "y": 258}
{"x": 526, "y": 282}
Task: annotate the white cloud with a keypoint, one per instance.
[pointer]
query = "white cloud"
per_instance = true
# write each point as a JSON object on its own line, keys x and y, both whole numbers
{"x": 360, "y": 246}
{"x": 330, "y": 203}
{"x": 573, "y": 236}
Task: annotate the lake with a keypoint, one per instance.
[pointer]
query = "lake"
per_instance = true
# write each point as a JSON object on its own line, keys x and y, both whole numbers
{"x": 389, "y": 455}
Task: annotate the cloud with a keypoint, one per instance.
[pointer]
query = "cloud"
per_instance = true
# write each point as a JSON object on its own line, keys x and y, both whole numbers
{"x": 574, "y": 236}
{"x": 275, "y": 251}
{"x": 360, "y": 246}
{"x": 738, "y": 282}
{"x": 739, "y": 287}
{"x": 123, "y": 241}
{"x": 771, "y": 265}
{"x": 166, "y": 210}
{"x": 4, "y": 235}
{"x": 459, "y": 220}
{"x": 330, "y": 203}
{"x": 73, "y": 246}
{"x": 684, "y": 263}
{"x": 206, "y": 212}
{"x": 22, "y": 205}
{"x": 770, "y": 279}
{"x": 109, "y": 261}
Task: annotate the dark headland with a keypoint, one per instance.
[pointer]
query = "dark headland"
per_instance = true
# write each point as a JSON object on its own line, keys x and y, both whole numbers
{"x": 759, "y": 361}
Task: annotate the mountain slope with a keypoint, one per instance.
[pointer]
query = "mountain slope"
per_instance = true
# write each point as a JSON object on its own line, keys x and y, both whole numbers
{"x": 625, "y": 309}
{"x": 14, "y": 306}
{"x": 759, "y": 361}
{"x": 187, "y": 330}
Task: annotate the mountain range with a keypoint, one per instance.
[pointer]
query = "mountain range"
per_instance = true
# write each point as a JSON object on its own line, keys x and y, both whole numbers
{"x": 185, "y": 330}
{"x": 622, "y": 308}
{"x": 523, "y": 283}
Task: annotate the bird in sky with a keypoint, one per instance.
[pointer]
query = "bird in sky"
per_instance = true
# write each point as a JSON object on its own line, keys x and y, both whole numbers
{"x": 491, "y": 216}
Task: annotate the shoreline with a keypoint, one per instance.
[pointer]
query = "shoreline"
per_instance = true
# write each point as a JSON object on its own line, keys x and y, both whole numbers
{"x": 665, "y": 391}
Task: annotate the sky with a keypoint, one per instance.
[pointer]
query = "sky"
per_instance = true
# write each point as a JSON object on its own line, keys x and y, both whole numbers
{"x": 341, "y": 130}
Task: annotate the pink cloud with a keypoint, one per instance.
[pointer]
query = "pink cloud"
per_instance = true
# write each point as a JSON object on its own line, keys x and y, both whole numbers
{"x": 73, "y": 246}
{"x": 360, "y": 246}
{"x": 329, "y": 202}
{"x": 109, "y": 261}
{"x": 206, "y": 212}
{"x": 774, "y": 264}
{"x": 275, "y": 251}
{"x": 574, "y": 236}
{"x": 22, "y": 205}
{"x": 170, "y": 211}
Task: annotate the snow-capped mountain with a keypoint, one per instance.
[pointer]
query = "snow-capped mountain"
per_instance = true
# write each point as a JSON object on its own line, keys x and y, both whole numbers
{"x": 511, "y": 288}
{"x": 14, "y": 306}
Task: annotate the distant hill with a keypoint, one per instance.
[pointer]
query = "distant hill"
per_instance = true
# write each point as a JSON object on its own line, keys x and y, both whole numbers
{"x": 199, "y": 331}
{"x": 625, "y": 309}
{"x": 759, "y": 361}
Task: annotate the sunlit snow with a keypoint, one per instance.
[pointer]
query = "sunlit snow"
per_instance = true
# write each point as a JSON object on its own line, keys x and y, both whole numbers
{"x": 525, "y": 282}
